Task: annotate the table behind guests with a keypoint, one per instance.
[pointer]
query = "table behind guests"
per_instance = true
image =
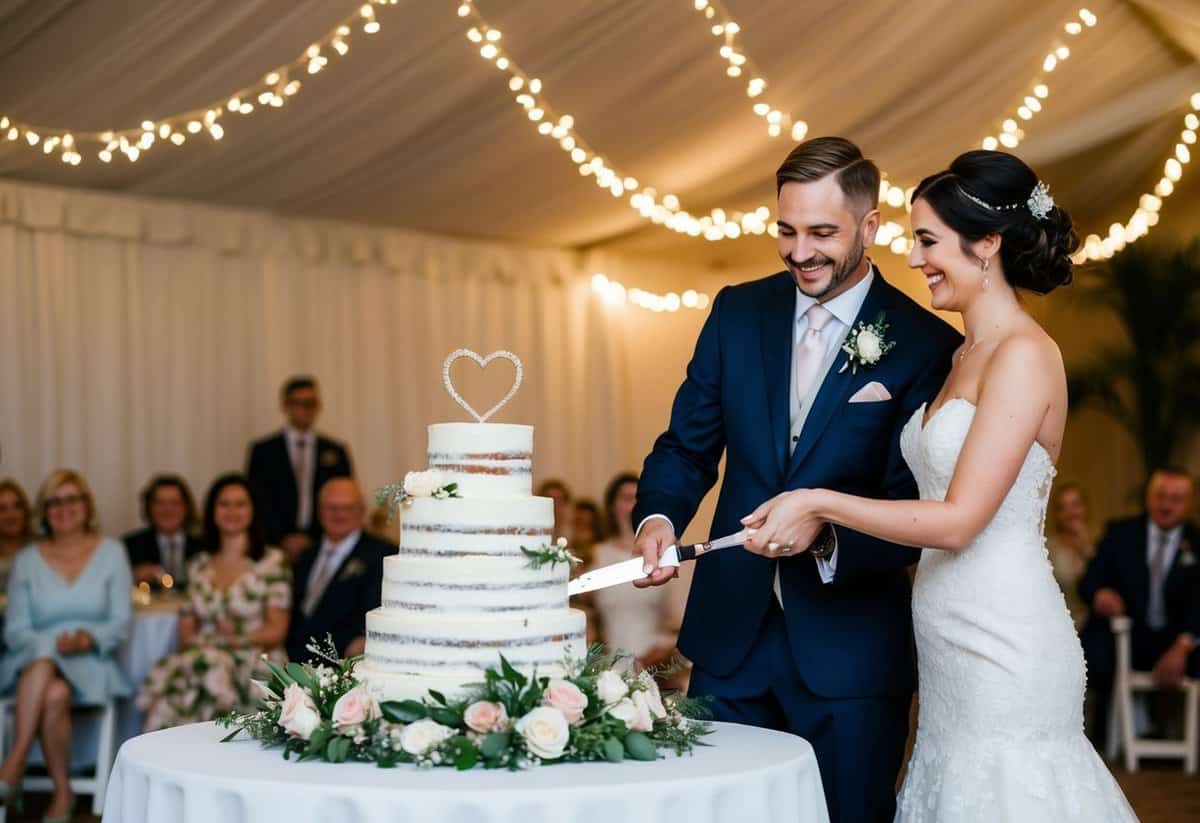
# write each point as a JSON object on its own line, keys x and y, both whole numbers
{"x": 340, "y": 580}
{"x": 287, "y": 468}
{"x": 167, "y": 544}
{"x": 68, "y": 612}
{"x": 237, "y": 608}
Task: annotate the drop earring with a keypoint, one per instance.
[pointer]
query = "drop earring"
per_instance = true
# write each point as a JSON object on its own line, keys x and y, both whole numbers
{"x": 986, "y": 280}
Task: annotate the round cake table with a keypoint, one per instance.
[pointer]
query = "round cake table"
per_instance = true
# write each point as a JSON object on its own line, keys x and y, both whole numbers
{"x": 186, "y": 775}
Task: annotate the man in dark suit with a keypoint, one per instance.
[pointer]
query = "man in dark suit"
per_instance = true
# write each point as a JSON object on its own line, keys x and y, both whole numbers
{"x": 1145, "y": 567}
{"x": 339, "y": 581}
{"x": 287, "y": 468}
{"x": 818, "y": 643}
{"x": 167, "y": 543}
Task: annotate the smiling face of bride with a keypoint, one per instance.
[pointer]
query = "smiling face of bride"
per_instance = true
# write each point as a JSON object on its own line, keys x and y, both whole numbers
{"x": 953, "y": 269}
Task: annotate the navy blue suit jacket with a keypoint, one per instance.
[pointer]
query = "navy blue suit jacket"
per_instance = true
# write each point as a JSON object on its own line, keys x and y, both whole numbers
{"x": 849, "y": 638}
{"x": 269, "y": 470}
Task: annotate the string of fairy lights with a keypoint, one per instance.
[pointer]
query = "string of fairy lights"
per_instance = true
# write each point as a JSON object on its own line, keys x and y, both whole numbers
{"x": 278, "y": 86}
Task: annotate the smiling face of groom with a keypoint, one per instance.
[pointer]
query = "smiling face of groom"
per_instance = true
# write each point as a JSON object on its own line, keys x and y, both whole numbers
{"x": 827, "y": 215}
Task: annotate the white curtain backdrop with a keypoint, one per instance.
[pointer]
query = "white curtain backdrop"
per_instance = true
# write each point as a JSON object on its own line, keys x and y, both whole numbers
{"x": 139, "y": 336}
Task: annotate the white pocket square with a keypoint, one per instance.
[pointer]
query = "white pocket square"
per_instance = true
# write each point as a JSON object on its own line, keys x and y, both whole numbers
{"x": 873, "y": 392}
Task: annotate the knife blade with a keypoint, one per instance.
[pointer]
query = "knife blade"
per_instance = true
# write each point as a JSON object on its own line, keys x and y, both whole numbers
{"x": 627, "y": 571}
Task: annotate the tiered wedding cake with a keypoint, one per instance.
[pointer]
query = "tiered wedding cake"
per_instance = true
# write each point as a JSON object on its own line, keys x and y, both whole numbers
{"x": 461, "y": 592}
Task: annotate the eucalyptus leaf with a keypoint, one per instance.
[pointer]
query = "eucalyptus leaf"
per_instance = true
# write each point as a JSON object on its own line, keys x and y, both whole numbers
{"x": 640, "y": 747}
{"x": 495, "y": 745}
{"x": 404, "y": 711}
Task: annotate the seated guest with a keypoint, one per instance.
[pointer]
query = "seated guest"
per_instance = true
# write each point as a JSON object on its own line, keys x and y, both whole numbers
{"x": 239, "y": 597}
{"x": 557, "y": 491}
{"x": 341, "y": 580}
{"x": 586, "y": 530}
{"x": 1145, "y": 568}
{"x": 286, "y": 469}
{"x": 1070, "y": 546}
{"x": 16, "y": 525}
{"x": 634, "y": 620}
{"x": 167, "y": 544}
{"x": 68, "y": 612}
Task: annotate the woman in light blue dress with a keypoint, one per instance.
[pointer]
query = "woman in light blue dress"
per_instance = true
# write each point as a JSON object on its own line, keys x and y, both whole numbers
{"x": 68, "y": 612}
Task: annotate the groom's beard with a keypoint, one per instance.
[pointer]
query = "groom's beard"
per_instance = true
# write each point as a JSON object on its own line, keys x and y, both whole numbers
{"x": 842, "y": 269}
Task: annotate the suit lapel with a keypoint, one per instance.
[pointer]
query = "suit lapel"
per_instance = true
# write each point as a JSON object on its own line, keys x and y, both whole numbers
{"x": 835, "y": 388}
{"x": 778, "y": 317}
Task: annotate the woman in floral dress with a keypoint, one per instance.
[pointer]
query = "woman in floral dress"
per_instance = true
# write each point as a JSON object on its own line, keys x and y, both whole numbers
{"x": 239, "y": 600}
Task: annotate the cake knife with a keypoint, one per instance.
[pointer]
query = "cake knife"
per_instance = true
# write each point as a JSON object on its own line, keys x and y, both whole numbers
{"x": 627, "y": 571}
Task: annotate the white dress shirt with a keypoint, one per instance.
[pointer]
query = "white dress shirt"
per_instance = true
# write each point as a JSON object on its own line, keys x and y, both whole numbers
{"x": 844, "y": 308}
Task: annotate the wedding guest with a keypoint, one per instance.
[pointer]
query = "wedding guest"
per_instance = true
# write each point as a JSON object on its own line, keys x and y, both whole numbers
{"x": 1145, "y": 568}
{"x": 341, "y": 580}
{"x": 557, "y": 491}
{"x": 238, "y": 601}
{"x": 167, "y": 544}
{"x": 1070, "y": 545}
{"x": 16, "y": 525}
{"x": 287, "y": 468}
{"x": 68, "y": 612}
{"x": 586, "y": 529}
{"x": 631, "y": 619}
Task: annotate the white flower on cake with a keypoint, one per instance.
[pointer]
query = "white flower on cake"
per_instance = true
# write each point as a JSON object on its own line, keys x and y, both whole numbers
{"x": 545, "y": 731}
{"x": 418, "y": 738}
{"x": 298, "y": 716}
{"x": 484, "y": 717}
{"x": 653, "y": 696}
{"x": 635, "y": 711}
{"x": 567, "y": 698}
{"x": 353, "y": 709}
{"x": 610, "y": 687}
{"x": 422, "y": 484}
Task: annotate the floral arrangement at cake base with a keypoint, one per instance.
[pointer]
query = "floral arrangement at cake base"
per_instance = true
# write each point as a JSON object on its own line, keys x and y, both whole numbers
{"x": 599, "y": 711}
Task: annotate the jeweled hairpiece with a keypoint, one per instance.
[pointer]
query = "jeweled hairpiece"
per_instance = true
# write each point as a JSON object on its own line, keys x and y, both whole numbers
{"x": 1039, "y": 201}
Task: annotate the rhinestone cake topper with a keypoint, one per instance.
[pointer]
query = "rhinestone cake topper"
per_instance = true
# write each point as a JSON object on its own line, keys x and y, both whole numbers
{"x": 482, "y": 362}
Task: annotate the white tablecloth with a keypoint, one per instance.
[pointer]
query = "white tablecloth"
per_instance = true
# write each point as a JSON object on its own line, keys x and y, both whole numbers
{"x": 153, "y": 635}
{"x": 185, "y": 775}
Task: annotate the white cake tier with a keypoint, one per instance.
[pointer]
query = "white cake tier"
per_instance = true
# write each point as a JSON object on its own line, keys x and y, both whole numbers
{"x": 476, "y": 586}
{"x": 459, "y": 649}
{"x": 484, "y": 459}
{"x": 387, "y": 685}
{"x": 469, "y": 528}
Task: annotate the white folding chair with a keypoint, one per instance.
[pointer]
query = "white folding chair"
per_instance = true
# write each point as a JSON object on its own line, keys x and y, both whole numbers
{"x": 95, "y": 785}
{"x": 1126, "y": 684}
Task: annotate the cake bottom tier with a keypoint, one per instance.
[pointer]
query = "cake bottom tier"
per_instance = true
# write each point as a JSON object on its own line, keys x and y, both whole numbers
{"x": 409, "y": 653}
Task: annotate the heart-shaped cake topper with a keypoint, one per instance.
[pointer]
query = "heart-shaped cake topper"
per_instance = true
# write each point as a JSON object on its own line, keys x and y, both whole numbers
{"x": 482, "y": 362}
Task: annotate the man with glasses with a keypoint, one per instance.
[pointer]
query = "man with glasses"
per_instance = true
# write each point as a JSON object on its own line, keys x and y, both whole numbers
{"x": 287, "y": 468}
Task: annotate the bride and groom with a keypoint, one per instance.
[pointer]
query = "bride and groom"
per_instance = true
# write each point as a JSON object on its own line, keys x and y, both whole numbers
{"x": 867, "y": 425}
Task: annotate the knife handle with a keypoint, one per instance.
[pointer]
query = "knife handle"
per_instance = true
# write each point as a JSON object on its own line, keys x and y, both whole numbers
{"x": 688, "y": 552}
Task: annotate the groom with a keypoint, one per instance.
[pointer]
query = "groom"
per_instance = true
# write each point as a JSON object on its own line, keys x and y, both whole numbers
{"x": 819, "y": 642}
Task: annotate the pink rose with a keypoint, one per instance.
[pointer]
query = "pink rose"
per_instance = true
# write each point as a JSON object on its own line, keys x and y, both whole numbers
{"x": 353, "y": 708}
{"x": 484, "y": 717}
{"x": 298, "y": 715}
{"x": 567, "y": 698}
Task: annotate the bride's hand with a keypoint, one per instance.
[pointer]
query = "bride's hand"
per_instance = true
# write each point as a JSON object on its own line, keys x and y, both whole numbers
{"x": 785, "y": 524}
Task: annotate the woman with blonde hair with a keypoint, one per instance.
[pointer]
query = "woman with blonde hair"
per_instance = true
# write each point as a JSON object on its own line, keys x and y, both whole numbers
{"x": 16, "y": 525}
{"x": 68, "y": 612}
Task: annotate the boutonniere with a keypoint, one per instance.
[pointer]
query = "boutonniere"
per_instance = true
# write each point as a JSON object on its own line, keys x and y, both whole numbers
{"x": 329, "y": 457}
{"x": 1186, "y": 557}
{"x": 866, "y": 345}
{"x": 352, "y": 569}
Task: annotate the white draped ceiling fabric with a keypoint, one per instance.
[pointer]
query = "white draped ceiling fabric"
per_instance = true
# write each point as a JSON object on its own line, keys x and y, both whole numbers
{"x": 139, "y": 333}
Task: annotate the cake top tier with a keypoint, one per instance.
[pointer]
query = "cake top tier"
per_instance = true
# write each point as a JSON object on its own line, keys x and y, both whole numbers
{"x": 484, "y": 459}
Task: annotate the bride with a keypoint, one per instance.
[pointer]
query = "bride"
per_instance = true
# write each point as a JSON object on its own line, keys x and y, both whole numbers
{"x": 1001, "y": 672}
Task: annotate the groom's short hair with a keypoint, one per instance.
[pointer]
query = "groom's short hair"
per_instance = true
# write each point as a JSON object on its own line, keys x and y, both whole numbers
{"x": 823, "y": 156}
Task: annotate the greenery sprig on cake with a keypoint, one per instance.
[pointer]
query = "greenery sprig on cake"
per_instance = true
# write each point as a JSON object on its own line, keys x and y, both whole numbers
{"x": 551, "y": 555}
{"x": 416, "y": 484}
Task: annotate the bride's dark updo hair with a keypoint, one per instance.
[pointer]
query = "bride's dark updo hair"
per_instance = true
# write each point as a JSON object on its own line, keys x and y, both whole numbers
{"x": 988, "y": 192}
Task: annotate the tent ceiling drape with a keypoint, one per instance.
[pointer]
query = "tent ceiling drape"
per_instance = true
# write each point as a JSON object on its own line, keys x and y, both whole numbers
{"x": 413, "y": 129}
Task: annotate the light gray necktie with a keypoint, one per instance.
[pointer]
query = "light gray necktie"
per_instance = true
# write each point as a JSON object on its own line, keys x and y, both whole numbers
{"x": 319, "y": 580}
{"x": 1156, "y": 614}
{"x": 303, "y": 486}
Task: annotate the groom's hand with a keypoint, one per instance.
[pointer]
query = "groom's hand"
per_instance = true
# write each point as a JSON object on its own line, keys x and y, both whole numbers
{"x": 656, "y": 537}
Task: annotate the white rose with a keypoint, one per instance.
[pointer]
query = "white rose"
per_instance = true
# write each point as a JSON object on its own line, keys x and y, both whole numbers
{"x": 653, "y": 696}
{"x": 298, "y": 715}
{"x": 635, "y": 712}
{"x": 353, "y": 709}
{"x": 545, "y": 732}
{"x": 610, "y": 687}
{"x": 422, "y": 484}
{"x": 870, "y": 348}
{"x": 418, "y": 738}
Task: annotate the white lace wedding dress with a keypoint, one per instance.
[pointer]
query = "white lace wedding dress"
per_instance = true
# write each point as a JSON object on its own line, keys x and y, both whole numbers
{"x": 1001, "y": 672}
